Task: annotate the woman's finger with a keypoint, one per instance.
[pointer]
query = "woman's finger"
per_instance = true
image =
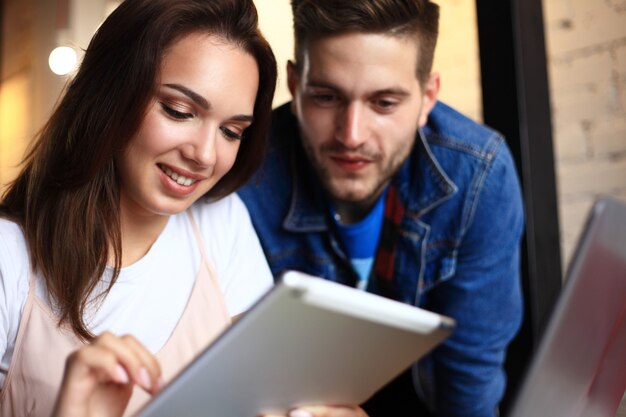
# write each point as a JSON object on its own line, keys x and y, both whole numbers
{"x": 327, "y": 411}
{"x": 96, "y": 362}
{"x": 87, "y": 371}
{"x": 322, "y": 411}
{"x": 151, "y": 370}
{"x": 140, "y": 364}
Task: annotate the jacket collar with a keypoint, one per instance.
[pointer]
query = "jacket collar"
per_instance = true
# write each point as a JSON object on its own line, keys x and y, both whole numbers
{"x": 421, "y": 183}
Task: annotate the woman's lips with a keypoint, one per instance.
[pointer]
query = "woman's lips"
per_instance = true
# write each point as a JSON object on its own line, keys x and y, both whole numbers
{"x": 178, "y": 176}
{"x": 177, "y": 181}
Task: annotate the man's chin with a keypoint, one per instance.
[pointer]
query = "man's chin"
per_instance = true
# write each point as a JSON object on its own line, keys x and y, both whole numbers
{"x": 349, "y": 195}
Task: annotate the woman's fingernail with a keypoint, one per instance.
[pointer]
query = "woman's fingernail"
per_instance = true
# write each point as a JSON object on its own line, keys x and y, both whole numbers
{"x": 121, "y": 375}
{"x": 160, "y": 383}
{"x": 300, "y": 413}
{"x": 144, "y": 379}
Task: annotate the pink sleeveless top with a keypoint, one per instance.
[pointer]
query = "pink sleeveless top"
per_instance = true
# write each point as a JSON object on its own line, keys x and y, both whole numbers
{"x": 41, "y": 347}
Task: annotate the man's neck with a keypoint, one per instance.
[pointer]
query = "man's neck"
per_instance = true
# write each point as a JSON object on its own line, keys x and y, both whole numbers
{"x": 350, "y": 212}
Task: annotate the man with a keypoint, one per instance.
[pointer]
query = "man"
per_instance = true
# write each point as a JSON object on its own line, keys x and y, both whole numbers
{"x": 370, "y": 182}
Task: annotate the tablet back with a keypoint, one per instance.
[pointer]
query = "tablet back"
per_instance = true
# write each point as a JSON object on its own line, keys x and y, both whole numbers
{"x": 308, "y": 341}
{"x": 580, "y": 367}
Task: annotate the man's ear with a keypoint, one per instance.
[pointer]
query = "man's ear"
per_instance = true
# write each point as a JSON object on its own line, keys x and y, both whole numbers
{"x": 429, "y": 96}
{"x": 292, "y": 78}
{"x": 292, "y": 83}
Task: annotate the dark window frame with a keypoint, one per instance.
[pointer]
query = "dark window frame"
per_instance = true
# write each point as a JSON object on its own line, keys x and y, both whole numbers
{"x": 516, "y": 102}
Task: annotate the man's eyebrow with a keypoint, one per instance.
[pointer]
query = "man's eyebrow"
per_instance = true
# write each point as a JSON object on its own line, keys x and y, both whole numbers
{"x": 197, "y": 98}
{"x": 395, "y": 91}
{"x": 321, "y": 84}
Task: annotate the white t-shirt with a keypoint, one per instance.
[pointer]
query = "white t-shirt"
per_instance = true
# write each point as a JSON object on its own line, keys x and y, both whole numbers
{"x": 150, "y": 295}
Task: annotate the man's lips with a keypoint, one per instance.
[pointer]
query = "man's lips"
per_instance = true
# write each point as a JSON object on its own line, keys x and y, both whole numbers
{"x": 348, "y": 163}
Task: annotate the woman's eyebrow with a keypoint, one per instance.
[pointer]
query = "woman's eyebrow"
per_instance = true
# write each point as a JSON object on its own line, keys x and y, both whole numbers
{"x": 197, "y": 98}
{"x": 243, "y": 118}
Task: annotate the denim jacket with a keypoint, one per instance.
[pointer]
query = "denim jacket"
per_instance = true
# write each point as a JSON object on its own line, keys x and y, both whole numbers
{"x": 458, "y": 253}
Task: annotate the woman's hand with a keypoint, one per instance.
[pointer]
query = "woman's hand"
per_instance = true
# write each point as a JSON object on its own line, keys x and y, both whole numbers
{"x": 323, "y": 411}
{"x": 99, "y": 377}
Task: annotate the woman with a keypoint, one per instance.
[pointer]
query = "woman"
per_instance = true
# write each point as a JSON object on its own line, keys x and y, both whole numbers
{"x": 107, "y": 230}
{"x": 99, "y": 232}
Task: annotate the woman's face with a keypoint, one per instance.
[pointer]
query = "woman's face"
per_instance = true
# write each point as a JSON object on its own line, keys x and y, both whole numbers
{"x": 193, "y": 126}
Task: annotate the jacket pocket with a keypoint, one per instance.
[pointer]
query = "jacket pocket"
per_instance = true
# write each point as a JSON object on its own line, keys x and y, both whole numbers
{"x": 440, "y": 263}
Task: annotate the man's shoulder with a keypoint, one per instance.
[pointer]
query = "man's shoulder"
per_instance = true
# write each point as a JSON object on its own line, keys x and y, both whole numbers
{"x": 282, "y": 113}
{"x": 451, "y": 130}
{"x": 275, "y": 174}
{"x": 266, "y": 194}
{"x": 284, "y": 124}
{"x": 458, "y": 155}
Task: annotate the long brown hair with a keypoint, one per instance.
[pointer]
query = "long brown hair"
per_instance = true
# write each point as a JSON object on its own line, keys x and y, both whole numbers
{"x": 66, "y": 198}
{"x": 419, "y": 19}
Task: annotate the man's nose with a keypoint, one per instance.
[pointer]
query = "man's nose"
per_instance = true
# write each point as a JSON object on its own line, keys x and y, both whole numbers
{"x": 351, "y": 130}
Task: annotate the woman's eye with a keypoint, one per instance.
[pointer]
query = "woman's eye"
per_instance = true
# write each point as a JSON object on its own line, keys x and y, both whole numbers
{"x": 175, "y": 113}
{"x": 231, "y": 134}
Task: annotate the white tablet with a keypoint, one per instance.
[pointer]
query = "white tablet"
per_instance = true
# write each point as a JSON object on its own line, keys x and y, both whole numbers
{"x": 308, "y": 341}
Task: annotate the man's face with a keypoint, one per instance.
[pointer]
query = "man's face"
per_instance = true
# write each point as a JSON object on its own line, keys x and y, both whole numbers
{"x": 359, "y": 104}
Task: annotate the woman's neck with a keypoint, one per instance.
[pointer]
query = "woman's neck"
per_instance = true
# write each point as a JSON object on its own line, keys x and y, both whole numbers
{"x": 139, "y": 231}
{"x": 138, "y": 236}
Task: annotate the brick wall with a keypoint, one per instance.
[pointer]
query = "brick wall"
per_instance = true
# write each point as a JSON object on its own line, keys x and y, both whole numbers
{"x": 586, "y": 47}
{"x": 586, "y": 44}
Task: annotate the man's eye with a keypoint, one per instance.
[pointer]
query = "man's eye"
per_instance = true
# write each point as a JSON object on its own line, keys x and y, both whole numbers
{"x": 324, "y": 99}
{"x": 385, "y": 105}
{"x": 175, "y": 113}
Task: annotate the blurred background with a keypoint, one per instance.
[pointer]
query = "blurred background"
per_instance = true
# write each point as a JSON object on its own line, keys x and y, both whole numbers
{"x": 586, "y": 55}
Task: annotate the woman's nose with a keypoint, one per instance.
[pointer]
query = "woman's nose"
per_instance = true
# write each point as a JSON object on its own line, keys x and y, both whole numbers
{"x": 201, "y": 148}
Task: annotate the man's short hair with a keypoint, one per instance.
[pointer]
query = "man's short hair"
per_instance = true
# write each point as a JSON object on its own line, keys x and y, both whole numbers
{"x": 314, "y": 19}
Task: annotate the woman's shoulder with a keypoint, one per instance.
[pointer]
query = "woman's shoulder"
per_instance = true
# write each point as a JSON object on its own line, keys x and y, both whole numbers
{"x": 224, "y": 224}
{"x": 13, "y": 248}
{"x": 227, "y": 214}
{"x": 14, "y": 276}
{"x": 224, "y": 206}
{"x": 234, "y": 250}
{"x": 9, "y": 228}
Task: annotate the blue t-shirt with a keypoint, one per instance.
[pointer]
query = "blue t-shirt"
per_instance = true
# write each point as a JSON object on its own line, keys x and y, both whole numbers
{"x": 360, "y": 240}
